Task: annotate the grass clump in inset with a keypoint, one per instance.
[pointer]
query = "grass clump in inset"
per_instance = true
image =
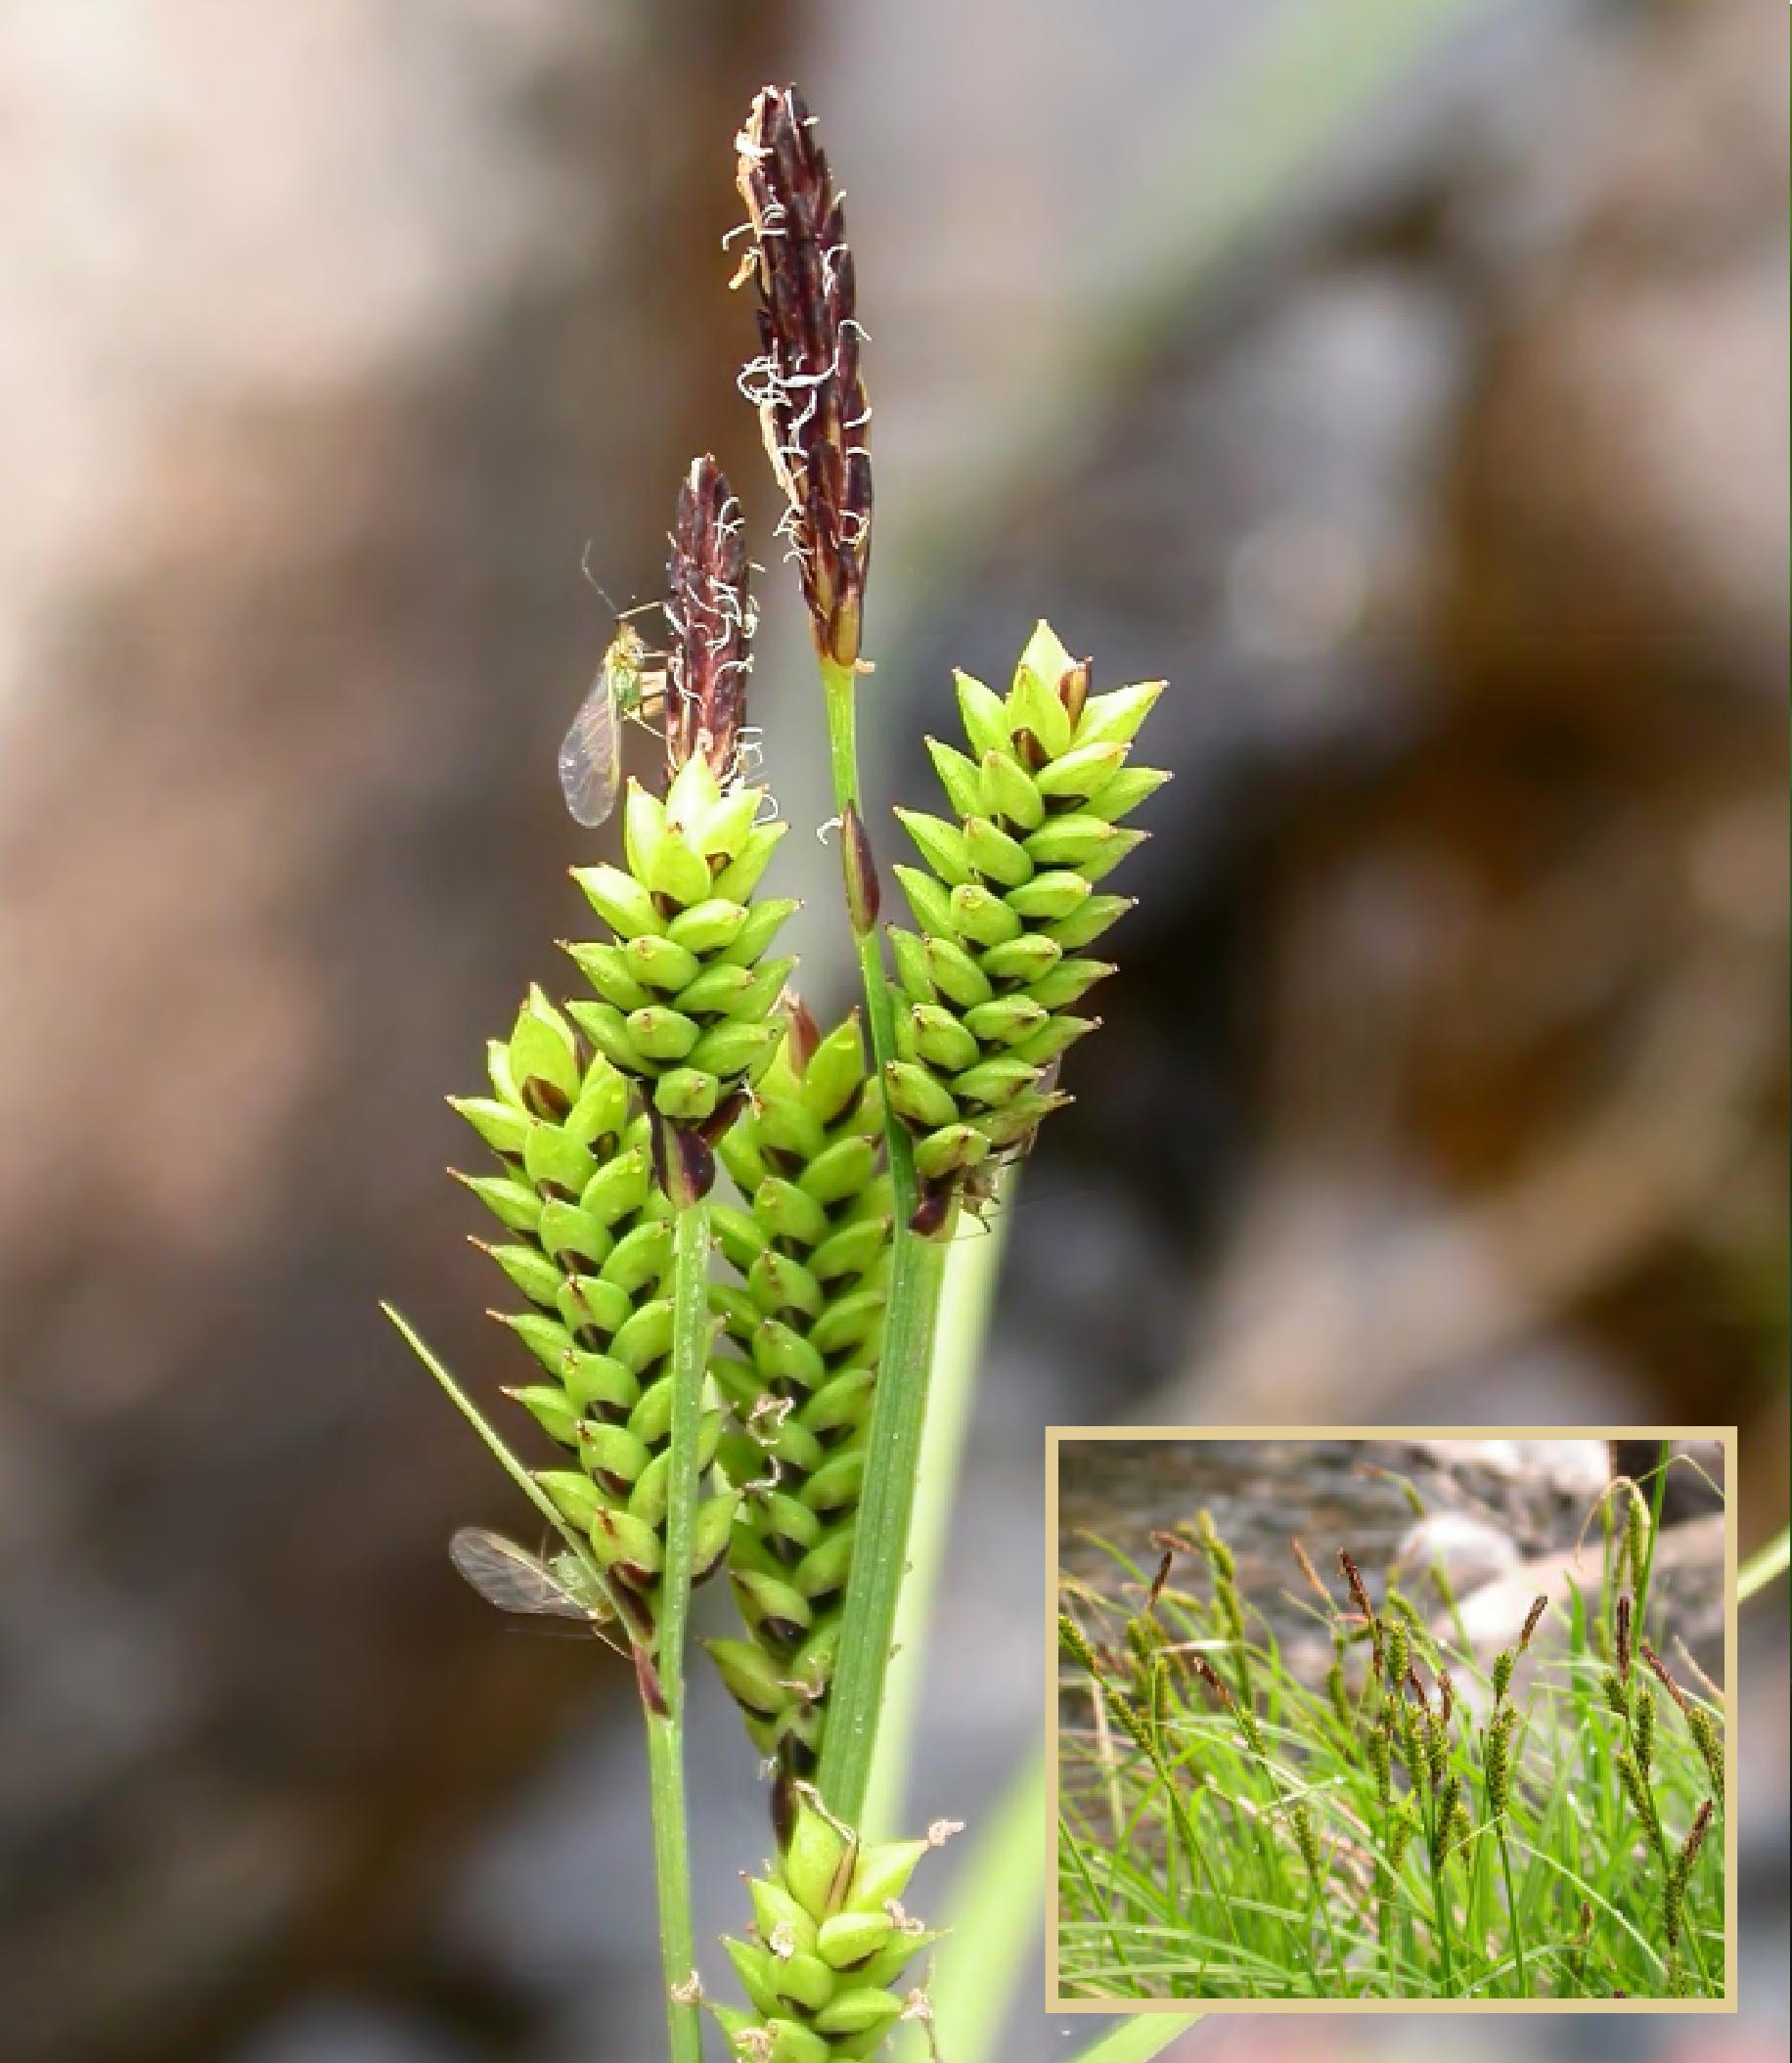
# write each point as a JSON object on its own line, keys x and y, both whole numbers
{"x": 1410, "y": 1824}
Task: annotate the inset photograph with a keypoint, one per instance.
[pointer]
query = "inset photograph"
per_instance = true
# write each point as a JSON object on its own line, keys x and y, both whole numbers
{"x": 1391, "y": 1716}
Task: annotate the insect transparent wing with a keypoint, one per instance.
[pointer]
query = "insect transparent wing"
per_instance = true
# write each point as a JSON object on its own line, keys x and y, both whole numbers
{"x": 513, "y": 1578}
{"x": 591, "y": 755}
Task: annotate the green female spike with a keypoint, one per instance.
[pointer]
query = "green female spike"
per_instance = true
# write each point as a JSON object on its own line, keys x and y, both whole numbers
{"x": 823, "y": 1968}
{"x": 1005, "y": 910}
{"x": 589, "y": 1246}
{"x": 803, "y": 1332}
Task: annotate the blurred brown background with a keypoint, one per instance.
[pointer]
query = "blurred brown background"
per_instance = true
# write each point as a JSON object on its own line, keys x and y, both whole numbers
{"x": 1405, "y": 383}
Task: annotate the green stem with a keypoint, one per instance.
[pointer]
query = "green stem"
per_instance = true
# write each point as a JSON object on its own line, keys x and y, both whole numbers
{"x": 691, "y": 1333}
{"x": 839, "y": 686}
{"x": 991, "y": 1928}
{"x": 1439, "y": 1897}
{"x": 1384, "y": 1903}
{"x": 973, "y": 1268}
{"x": 1322, "y": 1906}
{"x": 672, "y": 1881}
{"x": 899, "y": 1406}
{"x": 1656, "y": 1496}
{"x": 1511, "y": 1904}
{"x": 1138, "y": 2039}
{"x": 1764, "y": 1565}
{"x": 1277, "y": 1804}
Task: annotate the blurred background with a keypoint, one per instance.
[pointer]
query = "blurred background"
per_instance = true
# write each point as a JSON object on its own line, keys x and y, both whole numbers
{"x": 1405, "y": 381}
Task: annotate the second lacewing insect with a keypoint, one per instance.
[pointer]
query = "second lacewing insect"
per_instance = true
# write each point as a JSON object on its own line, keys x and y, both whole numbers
{"x": 516, "y": 1581}
{"x": 591, "y": 753}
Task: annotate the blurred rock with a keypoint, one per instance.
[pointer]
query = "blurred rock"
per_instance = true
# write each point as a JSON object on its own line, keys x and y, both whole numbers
{"x": 1449, "y": 1042}
{"x": 1686, "y": 1594}
{"x": 1516, "y": 1499}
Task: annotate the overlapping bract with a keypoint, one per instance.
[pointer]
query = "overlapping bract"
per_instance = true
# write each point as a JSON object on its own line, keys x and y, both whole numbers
{"x": 830, "y": 1944}
{"x": 805, "y": 1325}
{"x": 685, "y": 994}
{"x": 1006, "y": 907}
{"x": 590, "y": 1246}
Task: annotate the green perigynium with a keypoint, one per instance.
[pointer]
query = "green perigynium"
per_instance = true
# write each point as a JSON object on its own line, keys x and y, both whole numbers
{"x": 590, "y": 1246}
{"x": 830, "y": 1947}
{"x": 805, "y": 1326}
{"x": 1006, "y": 908}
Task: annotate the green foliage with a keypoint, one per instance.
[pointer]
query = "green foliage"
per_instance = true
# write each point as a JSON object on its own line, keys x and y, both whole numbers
{"x": 1535, "y": 1830}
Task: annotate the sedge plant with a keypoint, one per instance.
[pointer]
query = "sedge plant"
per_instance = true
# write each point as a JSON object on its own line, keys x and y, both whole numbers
{"x": 1241, "y": 1817}
{"x": 728, "y": 1226}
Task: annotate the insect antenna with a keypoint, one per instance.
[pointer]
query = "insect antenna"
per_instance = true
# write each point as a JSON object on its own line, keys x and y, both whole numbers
{"x": 637, "y": 608}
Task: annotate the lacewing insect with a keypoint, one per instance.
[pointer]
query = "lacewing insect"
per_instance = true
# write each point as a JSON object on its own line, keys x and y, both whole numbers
{"x": 516, "y": 1581}
{"x": 591, "y": 753}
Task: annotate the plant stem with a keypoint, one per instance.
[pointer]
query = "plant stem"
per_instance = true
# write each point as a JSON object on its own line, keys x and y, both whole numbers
{"x": 1641, "y": 1577}
{"x": 1385, "y": 1904}
{"x": 1511, "y": 1905}
{"x": 690, "y": 1332}
{"x": 990, "y": 1929}
{"x": 1440, "y": 1900}
{"x": 1322, "y": 1907}
{"x": 899, "y": 1404}
{"x": 840, "y": 688}
{"x": 672, "y": 1882}
{"x": 1764, "y": 1565}
{"x": 974, "y": 1267}
{"x": 1138, "y": 2039}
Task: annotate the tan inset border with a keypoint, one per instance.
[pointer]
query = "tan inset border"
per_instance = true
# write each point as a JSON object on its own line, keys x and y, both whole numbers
{"x": 1195, "y": 2008}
